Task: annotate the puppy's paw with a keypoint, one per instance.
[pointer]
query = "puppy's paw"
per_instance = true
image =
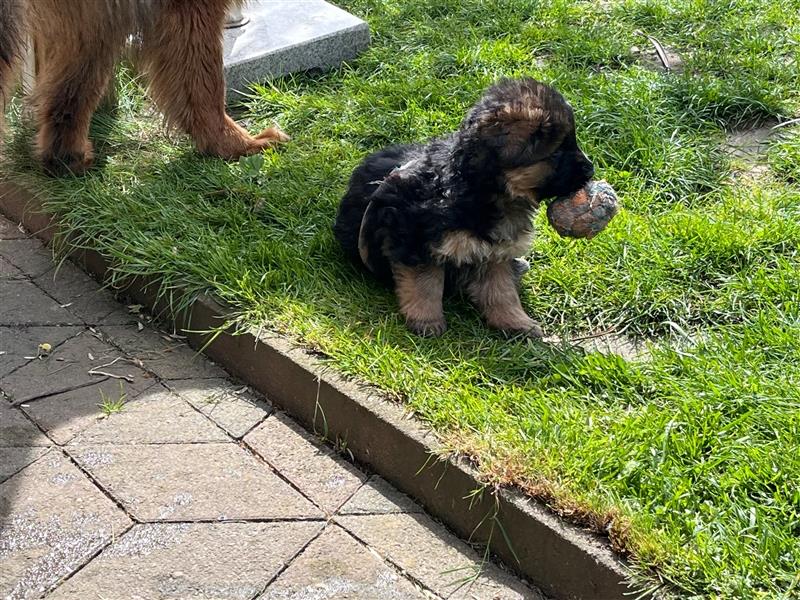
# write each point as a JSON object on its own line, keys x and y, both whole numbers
{"x": 519, "y": 325}
{"x": 75, "y": 161}
{"x": 272, "y": 136}
{"x": 427, "y": 328}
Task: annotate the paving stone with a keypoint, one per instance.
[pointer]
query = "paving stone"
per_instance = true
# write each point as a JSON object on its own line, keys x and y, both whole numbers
{"x": 63, "y": 416}
{"x": 377, "y": 497}
{"x": 9, "y": 230}
{"x": 336, "y": 566}
{"x": 17, "y": 343}
{"x": 52, "y": 521}
{"x": 17, "y": 458}
{"x": 233, "y": 407}
{"x": 192, "y": 482}
{"x": 167, "y": 358}
{"x": 22, "y": 303}
{"x": 29, "y": 255}
{"x": 9, "y": 271}
{"x": 67, "y": 366}
{"x": 83, "y": 296}
{"x": 315, "y": 469}
{"x": 190, "y": 560}
{"x": 157, "y": 416}
{"x": 434, "y": 557}
{"x": 16, "y": 430}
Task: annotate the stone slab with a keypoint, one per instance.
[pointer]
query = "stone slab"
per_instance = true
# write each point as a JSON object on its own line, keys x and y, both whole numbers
{"x": 286, "y": 36}
{"x": 10, "y": 230}
{"x": 336, "y": 566}
{"x": 156, "y": 416}
{"x": 435, "y": 557}
{"x": 17, "y": 430}
{"x": 29, "y": 255}
{"x": 52, "y": 521}
{"x": 67, "y": 366}
{"x": 224, "y": 561}
{"x": 16, "y": 458}
{"x": 192, "y": 482}
{"x": 315, "y": 469}
{"x": 19, "y": 344}
{"x": 377, "y": 497}
{"x": 82, "y": 296}
{"x": 22, "y": 303}
{"x": 9, "y": 271}
{"x": 63, "y": 416}
{"x": 233, "y": 407}
{"x": 168, "y": 358}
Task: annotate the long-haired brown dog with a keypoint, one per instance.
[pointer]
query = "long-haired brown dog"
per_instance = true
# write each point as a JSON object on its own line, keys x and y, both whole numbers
{"x": 78, "y": 42}
{"x": 458, "y": 209}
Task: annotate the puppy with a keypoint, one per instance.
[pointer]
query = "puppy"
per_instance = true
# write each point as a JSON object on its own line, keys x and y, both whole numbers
{"x": 456, "y": 211}
{"x": 78, "y": 42}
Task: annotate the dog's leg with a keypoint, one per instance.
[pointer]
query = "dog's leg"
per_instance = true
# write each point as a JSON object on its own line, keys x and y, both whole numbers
{"x": 76, "y": 63}
{"x": 182, "y": 52}
{"x": 419, "y": 293}
{"x": 494, "y": 291}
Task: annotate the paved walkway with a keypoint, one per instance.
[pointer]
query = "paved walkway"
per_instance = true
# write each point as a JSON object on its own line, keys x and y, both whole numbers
{"x": 132, "y": 468}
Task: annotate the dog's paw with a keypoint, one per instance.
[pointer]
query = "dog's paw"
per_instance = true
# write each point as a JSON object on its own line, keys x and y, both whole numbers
{"x": 74, "y": 163}
{"x": 272, "y": 136}
{"x": 427, "y": 328}
{"x": 519, "y": 326}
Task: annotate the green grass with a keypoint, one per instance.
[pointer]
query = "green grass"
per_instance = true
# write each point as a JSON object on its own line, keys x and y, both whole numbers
{"x": 690, "y": 459}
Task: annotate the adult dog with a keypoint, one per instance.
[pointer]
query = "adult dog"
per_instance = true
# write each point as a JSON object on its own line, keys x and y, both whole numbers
{"x": 178, "y": 43}
{"x": 458, "y": 209}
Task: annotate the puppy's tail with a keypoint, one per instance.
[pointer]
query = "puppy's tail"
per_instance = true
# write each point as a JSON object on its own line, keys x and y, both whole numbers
{"x": 12, "y": 46}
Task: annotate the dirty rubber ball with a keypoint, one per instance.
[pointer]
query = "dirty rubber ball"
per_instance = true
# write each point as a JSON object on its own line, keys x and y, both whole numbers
{"x": 586, "y": 213}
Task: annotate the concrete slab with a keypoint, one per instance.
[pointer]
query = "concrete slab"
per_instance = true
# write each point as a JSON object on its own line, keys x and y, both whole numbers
{"x": 168, "y": 358}
{"x": 14, "y": 459}
{"x": 22, "y": 303}
{"x": 9, "y": 271}
{"x": 16, "y": 430}
{"x": 337, "y": 566}
{"x": 68, "y": 366}
{"x": 286, "y": 36}
{"x": 435, "y": 557}
{"x": 190, "y": 560}
{"x": 233, "y": 407}
{"x": 156, "y": 416}
{"x": 377, "y": 497}
{"x": 20, "y": 345}
{"x": 52, "y": 521}
{"x": 192, "y": 482}
{"x": 324, "y": 477}
{"x": 29, "y": 255}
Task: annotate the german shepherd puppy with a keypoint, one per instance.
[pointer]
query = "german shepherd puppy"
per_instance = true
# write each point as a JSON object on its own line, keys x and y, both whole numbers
{"x": 458, "y": 209}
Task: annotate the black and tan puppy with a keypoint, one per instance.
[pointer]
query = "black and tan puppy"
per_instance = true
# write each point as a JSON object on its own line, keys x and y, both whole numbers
{"x": 458, "y": 210}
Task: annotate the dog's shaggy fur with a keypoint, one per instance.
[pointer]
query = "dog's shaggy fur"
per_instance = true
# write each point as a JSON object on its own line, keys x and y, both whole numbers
{"x": 77, "y": 42}
{"x": 458, "y": 209}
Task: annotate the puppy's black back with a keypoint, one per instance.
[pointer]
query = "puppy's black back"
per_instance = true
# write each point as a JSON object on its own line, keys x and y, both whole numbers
{"x": 363, "y": 182}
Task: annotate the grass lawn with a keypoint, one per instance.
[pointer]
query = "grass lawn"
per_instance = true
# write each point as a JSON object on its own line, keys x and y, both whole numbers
{"x": 689, "y": 455}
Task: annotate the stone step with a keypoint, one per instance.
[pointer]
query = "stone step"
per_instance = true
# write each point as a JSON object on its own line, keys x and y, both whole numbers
{"x": 279, "y": 37}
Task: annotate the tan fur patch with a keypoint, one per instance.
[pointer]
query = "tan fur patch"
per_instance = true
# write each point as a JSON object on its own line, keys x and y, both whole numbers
{"x": 419, "y": 292}
{"x": 522, "y": 182}
{"x": 462, "y": 248}
{"x": 495, "y": 294}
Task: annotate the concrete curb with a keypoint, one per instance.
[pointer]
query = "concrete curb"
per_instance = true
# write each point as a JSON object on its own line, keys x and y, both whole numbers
{"x": 563, "y": 560}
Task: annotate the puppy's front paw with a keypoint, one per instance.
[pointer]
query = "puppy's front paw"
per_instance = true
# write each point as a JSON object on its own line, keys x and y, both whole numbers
{"x": 427, "y": 328}
{"x": 518, "y": 325}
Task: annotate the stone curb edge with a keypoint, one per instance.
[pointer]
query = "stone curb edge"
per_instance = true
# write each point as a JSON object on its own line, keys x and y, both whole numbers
{"x": 562, "y": 559}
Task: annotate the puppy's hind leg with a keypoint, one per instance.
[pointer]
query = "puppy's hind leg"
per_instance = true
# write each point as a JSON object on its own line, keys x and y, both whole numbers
{"x": 494, "y": 291}
{"x": 419, "y": 293}
{"x": 182, "y": 52}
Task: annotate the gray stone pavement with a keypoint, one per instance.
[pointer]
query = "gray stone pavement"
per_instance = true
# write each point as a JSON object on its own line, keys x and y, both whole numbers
{"x": 131, "y": 467}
